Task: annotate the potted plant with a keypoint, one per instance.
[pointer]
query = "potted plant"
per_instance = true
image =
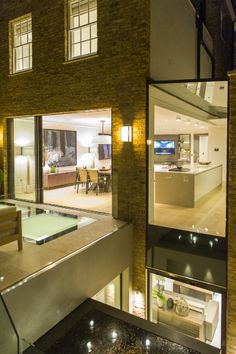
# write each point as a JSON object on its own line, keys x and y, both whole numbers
{"x": 1, "y": 179}
{"x": 158, "y": 292}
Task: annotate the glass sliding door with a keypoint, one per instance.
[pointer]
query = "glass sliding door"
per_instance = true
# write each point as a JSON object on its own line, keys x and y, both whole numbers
{"x": 24, "y": 158}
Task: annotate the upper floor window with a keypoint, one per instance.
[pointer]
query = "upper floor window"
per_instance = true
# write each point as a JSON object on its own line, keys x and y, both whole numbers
{"x": 82, "y": 36}
{"x": 21, "y": 39}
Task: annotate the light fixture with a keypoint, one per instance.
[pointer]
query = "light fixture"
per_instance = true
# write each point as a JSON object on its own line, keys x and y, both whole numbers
{"x": 188, "y": 121}
{"x": 102, "y": 138}
{"x": 149, "y": 142}
{"x": 178, "y": 119}
{"x": 114, "y": 336}
{"x": 126, "y": 134}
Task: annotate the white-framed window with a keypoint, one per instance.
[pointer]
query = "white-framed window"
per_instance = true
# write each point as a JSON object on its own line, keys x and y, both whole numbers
{"x": 82, "y": 28}
{"x": 21, "y": 39}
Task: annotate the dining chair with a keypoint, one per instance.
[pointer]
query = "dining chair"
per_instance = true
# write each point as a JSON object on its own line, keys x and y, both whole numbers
{"x": 81, "y": 178}
{"x": 95, "y": 180}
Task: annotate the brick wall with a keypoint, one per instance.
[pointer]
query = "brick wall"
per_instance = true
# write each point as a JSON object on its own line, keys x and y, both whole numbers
{"x": 231, "y": 300}
{"x": 115, "y": 78}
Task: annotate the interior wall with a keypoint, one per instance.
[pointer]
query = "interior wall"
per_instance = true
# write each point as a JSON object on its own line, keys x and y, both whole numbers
{"x": 84, "y": 140}
{"x": 173, "y": 41}
{"x": 217, "y": 147}
{"x": 24, "y": 129}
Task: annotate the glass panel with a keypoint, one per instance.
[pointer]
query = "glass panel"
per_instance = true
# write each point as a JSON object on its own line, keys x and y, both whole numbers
{"x": 26, "y": 64}
{"x": 93, "y": 16}
{"x": 85, "y": 48}
{"x": 26, "y": 51}
{"x": 74, "y": 8}
{"x": 188, "y": 309}
{"x": 76, "y": 36}
{"x": 94, "y": 30}
{"x": 76, "y": 50}
{"x": 94, "y": 46}
{"x": 29, "y": 37}
{"x": 19, "y": 53}
{"x": 84, "y": 19}
{"x": 110, "y": 295}
{"x": 188, "y": 156}
{"x": 85, "y": 33}
{"x": 24, "y": 39}
{"x": 19, "y": 65}
{"x": 24, "y": 171}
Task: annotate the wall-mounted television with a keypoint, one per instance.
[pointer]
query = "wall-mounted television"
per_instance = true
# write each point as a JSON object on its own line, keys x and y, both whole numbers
{"x": 164, "y": 147}
{"x": 104, "y": 151}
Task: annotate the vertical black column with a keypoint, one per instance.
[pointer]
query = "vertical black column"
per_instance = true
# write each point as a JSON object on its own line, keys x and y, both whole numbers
{"x": 38, "y": 146}
{"x": 10, "y": 159}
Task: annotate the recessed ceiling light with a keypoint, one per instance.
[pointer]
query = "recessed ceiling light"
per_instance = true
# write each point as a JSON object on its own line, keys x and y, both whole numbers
{"x": 188, "y": 121}
{"x": 195, "y": 124}
{"x": 178, "y": 119}
{"x": 202, "y": 126}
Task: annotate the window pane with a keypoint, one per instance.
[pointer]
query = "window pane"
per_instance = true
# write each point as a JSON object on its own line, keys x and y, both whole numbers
{"x": 76, "y": 50}
{"x": 26, "y": 63}
{"x": 94, "y": 46}
{"x": 16, "y": 41}
{"x": 94, "y": 30}
{"x": 85, "y": 33}
{"x": 19, "y": 65}
{"x": 29, "y": 37}
{"x": 85, "y": 48}
{"x": 93, "y": 16}
{"x": 84, "y": 19}
{"x": 92, "y": 4}
{"x": 24, "y": 39}
{"x": 76, "y": 36}
{"x": 17, "y": 29}
{"x": 26, "y": 52}
{"x": 74, "y": 22}
{"x": 24, "y": 27}
{"x": 83, "y": 6}
{"x": 74, "y": 8}
{"x": 18, "y": 52}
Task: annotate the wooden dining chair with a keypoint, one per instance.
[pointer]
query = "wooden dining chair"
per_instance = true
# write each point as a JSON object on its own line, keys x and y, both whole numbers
{"x": 95, "y": 180}
{"x": 81, "y": 178}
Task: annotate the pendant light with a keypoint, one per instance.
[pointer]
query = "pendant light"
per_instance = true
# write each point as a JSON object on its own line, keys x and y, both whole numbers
{"x": 102, "y": 138}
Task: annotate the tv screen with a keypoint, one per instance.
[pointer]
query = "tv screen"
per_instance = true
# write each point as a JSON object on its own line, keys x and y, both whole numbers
{"x": 164, "y": 147}
{"x": 104, "y": 151}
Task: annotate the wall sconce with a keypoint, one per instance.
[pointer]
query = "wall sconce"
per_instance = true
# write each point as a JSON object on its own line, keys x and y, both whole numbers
{"x": 126, "y": 134}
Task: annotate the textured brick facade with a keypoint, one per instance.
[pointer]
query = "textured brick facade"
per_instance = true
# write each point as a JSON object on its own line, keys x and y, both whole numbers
{"x": 114, "y": 78}
{"x": 231, "y": 300}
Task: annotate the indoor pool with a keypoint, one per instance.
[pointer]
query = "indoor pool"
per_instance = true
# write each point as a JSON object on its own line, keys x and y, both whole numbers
{"x": 42, "y": 225}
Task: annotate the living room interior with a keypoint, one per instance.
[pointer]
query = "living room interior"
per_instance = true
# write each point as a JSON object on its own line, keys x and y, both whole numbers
{"x": 188, "y": 158}
{"x": 76, "y": 156}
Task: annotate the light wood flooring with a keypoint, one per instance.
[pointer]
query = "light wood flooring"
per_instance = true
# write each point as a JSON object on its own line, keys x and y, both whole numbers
{"x": 68, "y": 197}
{"x": 209, "y": 217}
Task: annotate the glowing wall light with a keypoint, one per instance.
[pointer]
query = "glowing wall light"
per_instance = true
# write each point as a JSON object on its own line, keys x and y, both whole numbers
{"x": 126, "y": 134}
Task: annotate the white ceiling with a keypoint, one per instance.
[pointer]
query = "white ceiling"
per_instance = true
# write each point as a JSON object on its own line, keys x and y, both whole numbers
{"x": 166, "y": 123}
{"x": 84, "y": 118}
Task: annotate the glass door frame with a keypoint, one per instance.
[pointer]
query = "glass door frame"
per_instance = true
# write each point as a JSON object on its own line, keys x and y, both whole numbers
{"x": 37, "y": 155}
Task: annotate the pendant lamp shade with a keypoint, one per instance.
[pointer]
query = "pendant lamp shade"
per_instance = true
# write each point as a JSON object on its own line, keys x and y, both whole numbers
{"x": 102, "y": 138}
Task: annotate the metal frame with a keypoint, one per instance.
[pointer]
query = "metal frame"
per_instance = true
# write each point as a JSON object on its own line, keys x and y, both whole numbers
{"x": 219, "y": 289}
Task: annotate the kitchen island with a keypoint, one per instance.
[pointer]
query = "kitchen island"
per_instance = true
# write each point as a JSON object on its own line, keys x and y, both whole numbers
{"x": 187, "y": 186}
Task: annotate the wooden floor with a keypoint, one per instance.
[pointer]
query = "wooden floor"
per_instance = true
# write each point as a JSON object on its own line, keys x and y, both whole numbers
{"x": 68, "y": 197}
{"x": 208, "y": 217}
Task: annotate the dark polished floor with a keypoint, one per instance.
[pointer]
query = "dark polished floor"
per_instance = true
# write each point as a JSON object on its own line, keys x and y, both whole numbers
{"x": 113, "y": 331}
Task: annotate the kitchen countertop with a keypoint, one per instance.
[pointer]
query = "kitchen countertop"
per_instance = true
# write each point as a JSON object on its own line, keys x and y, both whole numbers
{"x": 188, "y": 169}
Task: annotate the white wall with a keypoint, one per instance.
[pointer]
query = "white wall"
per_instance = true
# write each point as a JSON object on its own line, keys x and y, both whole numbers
{"x": 173, "y": 40}
{"x": 84, "y": 140}
{"x": 24, "y": 136}
{"x": 217, "y": 139}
